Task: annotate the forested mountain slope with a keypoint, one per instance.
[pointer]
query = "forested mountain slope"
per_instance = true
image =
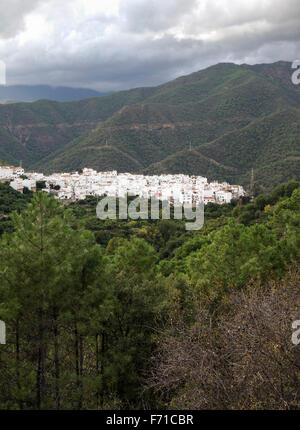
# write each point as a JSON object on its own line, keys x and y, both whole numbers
{"x": 219, "y": 122}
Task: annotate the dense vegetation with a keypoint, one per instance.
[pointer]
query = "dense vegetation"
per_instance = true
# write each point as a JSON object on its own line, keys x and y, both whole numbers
{"x": 11, "y": 200}
{"x": 144, "y": 314}
{"x": 235, "y": 118}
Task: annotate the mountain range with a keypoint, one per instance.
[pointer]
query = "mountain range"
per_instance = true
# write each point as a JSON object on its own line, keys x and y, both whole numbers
{"x": 220, "y": 122}
{"x": 31, "y": 93}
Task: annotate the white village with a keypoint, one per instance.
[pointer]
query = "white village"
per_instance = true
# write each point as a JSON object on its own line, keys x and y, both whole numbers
{"x": 78, "y": 185}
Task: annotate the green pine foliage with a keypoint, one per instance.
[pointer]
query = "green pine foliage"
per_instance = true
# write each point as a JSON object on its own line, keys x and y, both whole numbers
{"x": 89, "y": 304}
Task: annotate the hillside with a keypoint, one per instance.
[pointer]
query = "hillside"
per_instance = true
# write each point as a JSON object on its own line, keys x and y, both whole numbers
{"x": 32, "y": 131}
{"x": 279, "y": 72}
{"x": 270, "y": 145}
{"x": 219, "y": 122}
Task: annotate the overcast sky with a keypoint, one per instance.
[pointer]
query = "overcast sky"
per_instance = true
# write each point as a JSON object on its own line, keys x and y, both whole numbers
{"x": 119, "y": 44}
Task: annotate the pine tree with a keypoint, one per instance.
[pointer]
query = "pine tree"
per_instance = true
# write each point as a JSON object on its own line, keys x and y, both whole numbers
{"x": 46, "y": 267}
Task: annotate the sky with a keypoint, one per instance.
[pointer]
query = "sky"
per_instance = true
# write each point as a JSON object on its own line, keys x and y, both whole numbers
{"x": 110, "y": 45}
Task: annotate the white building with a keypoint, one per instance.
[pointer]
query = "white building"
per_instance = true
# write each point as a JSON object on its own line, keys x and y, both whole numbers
{"x": 6, "y": 172}
{"x": 19, "y": 184}
{"x": 10, "y": 172}
{"x": 223, "y": 196}
{"x": 181, "y": 188}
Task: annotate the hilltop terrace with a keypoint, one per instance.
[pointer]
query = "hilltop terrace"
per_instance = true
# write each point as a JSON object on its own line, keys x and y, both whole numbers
{"x": 88, "y": 182}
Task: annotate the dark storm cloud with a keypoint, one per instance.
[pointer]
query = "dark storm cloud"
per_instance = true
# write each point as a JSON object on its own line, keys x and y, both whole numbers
{"x": 149, "y": 42}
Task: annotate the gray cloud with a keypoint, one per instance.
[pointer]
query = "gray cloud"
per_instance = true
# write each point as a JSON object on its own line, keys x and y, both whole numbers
{"x": 12, "y": 16}
{"x": 152, "y": 15}
{"x": 147, "y": 42}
